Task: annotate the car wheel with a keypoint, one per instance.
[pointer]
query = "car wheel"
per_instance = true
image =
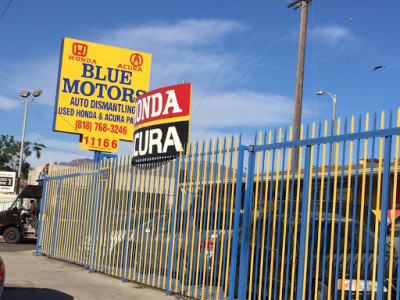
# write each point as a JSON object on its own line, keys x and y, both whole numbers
{"x": 12, "y": 235}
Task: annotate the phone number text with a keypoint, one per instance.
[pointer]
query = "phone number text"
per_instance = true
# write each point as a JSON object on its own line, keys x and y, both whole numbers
{"x": 100, "y": 127}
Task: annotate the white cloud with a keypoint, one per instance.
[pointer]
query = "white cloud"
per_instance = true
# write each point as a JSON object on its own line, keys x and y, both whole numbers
{"x": 8, "y": 104}
{"x": 185, "y": 33}
{"x": 34, "y": 75}
{"x": 243, "y": 109}
{"x": 190, "y": 50}
{"x": 332, "y": 35}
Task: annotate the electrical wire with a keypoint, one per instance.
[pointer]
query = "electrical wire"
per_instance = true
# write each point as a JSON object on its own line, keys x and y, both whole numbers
{"x": 61, "y": 150}
{"x": 234, "y": 45}
{"x": 214, "y": 79}
{"x": 266, "y": 49}
{"x": 5, "y": 10}
{"x": 345, "y": 16}
{"x": 263, "y": 53}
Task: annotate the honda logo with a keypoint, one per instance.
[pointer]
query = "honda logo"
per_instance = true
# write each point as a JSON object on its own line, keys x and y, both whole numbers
{"x": 79, "y": 49}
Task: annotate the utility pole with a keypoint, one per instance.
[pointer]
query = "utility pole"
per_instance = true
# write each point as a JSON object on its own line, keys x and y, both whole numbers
{"x": 303, "y": 4}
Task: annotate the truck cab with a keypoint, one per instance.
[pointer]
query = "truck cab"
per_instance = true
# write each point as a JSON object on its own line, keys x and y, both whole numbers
{"x": 13, "y": 225}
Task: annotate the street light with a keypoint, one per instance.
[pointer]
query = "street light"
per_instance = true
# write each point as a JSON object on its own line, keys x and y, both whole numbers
{"x": 333, "y": 97}
{"x": 25, "y": 98}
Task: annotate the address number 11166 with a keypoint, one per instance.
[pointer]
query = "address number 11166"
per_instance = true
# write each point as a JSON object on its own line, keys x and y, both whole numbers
{"x": 100, "y": 142}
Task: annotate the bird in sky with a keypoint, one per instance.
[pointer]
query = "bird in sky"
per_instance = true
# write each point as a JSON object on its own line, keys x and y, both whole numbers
{"x": 378, "y": 67}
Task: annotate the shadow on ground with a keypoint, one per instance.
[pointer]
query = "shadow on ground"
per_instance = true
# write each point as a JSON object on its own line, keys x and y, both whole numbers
{"x": 28, "y": 241}
{"x": 17, "y": 293}
{"x": 23, "y": 241}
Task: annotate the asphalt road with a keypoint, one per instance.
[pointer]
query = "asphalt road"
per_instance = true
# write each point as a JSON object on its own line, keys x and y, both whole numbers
{"x": 39, "y": 278}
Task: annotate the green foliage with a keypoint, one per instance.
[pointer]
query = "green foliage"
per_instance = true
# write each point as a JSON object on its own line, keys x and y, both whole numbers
{"x": 10, "y": 151}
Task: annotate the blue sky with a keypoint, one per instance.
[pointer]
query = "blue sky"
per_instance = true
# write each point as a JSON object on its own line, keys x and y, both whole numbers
{"x": 240, "y": 56}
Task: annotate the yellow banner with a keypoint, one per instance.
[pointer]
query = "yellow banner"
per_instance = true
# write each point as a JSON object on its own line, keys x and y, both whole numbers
{"x": 97, "y": 88}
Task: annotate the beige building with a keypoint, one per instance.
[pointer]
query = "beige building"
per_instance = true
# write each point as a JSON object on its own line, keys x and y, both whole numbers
{"x": 36, "y": 175}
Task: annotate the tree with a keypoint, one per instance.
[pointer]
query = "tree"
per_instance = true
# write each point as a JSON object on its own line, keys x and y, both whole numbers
{"x": 10, "y": 152}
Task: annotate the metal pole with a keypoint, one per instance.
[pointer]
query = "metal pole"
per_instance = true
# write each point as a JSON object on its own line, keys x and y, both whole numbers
{"x": 333, "y": 97}
{"x": 22, "y": 146}
{"x": 333, "y": 111}
{"x": 333, "y": 121}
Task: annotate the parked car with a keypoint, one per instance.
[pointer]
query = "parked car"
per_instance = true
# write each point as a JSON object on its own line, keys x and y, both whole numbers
{"x": 336, "y": 259}
{"x": 151, "y": 238}
{"x": 2, "y": 276}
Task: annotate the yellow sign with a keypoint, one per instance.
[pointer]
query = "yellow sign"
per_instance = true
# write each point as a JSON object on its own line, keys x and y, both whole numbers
{"x": 97, "y": 88}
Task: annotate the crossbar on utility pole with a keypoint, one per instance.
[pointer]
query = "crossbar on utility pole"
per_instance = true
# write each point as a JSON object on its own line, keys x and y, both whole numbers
{"x": 292, "y": 3}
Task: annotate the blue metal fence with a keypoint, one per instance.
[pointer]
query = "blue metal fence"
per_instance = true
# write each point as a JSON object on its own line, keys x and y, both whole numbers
{"x": 279, "y": 219}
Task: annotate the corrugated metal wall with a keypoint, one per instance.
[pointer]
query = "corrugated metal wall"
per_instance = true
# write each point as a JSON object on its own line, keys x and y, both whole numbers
{"x": 6, "y": 200}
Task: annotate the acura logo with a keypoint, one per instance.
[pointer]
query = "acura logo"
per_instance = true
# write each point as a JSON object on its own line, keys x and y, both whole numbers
{"x": 136, "y": 59}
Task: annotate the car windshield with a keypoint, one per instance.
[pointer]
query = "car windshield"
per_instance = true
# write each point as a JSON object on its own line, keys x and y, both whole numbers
{"x": 16, "y": 204}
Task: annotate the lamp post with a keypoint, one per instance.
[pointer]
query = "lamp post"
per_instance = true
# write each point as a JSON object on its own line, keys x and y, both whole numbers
{"x": 333, "y": 97}
{"x": 25, "y": 98}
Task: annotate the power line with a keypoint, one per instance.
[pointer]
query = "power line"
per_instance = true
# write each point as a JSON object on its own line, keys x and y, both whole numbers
{"x": 341, "y": 15}
{"x": 233, "y": 46}
{"x": 263, "y": 53}
{"x": 68, "y": 151}
{"x": 5, "y": 10}
{"x": 213, "y": 81}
